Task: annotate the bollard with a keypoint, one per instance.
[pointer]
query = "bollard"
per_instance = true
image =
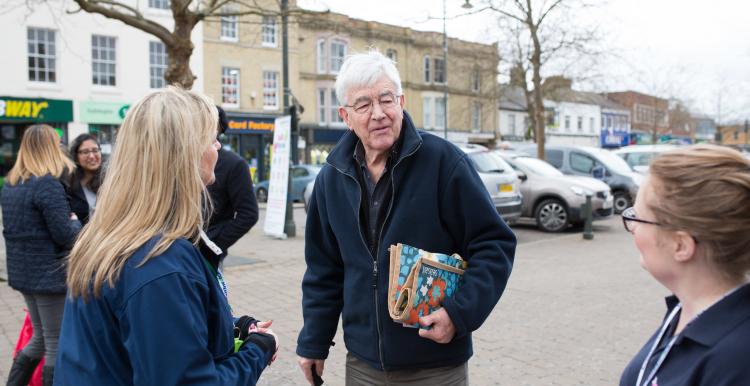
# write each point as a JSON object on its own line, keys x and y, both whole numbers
{"x": 588, "y": 233}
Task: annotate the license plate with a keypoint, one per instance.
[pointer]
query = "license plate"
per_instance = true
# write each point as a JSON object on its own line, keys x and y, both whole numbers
{"x": 607, "y": 203}
{"x": 505, "y": 188}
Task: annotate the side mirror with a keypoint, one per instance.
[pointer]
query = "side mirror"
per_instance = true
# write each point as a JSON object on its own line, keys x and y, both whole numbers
{"x": 598, "y": 172}
{"x": 521, "y": 175}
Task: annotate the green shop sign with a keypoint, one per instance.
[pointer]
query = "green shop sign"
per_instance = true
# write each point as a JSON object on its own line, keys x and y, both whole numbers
{"x": 103, "y": 112}
{"x": 35, "y": 110}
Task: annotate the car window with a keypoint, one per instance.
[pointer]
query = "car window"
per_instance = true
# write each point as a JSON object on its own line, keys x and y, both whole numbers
{"x": 484, "y": 162}
{"x": 554, "y": 157}
{"x": 581, "y": 163}
{"x": 538, "y": 167}
{"x": 300, "y": 172}
{"x": 612, "y": 162}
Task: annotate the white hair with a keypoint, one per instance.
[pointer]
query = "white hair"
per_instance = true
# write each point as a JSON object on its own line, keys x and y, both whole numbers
{"x": 362, "y": 70}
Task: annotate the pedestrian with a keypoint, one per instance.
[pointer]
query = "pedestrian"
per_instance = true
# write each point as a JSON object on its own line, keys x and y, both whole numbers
{"x": 85, "y": 182}
{"x": 386, "y": 183}
{"x": 144, "y": 306}
{"x": 39, "y": 230}
{"x": 235, "y": 208}
{"x": 691, "y": 222}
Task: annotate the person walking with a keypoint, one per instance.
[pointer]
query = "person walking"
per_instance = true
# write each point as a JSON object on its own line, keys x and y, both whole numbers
{"x": 144, "y": 306}
{"x": 85, "y": 182}
{"x": 691, "y": 222}
{"x": 39, "y": 230}
{"x": 235, "y": 207}
{"x": 386, "y": 183}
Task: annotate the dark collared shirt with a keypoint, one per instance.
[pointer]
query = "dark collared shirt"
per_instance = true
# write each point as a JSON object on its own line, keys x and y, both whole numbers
{"x": 376, "y": 196}
{"x": 712, "y": 350}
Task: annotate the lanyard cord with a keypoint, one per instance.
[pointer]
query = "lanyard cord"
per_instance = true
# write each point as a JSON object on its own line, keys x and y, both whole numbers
{"x": 216, "y": 272}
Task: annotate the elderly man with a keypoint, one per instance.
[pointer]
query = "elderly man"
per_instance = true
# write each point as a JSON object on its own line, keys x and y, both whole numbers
{"x": 387, "y": 183}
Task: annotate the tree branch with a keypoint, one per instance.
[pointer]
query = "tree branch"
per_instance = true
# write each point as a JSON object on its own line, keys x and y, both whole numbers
{"x": 136, "y": 20}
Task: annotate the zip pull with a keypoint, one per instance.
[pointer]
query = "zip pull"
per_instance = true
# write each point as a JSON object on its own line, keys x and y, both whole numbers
{"x": 374, "y": 273}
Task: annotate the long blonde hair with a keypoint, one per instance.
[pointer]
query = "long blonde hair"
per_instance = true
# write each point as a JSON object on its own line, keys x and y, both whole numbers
{"x": 152, "y": 187}
{"x": 705, "y": 191}
{"x": 40, "y": 154}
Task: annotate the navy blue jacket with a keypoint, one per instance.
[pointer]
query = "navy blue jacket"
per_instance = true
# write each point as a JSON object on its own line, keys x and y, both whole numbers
{"x": 438, "y": 204}
{"x": 713, "y": 350}
{"x": 38, "y": 234}
{"x": 164, "y": 323}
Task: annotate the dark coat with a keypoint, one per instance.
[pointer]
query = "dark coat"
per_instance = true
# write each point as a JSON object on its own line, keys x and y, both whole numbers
{"x": 235, "y": 206}
{"x": 38, "y": 234}
{"x": 78, "y": 203}
{"x": 166, "y": 322}
{"x": 438, "y": 204}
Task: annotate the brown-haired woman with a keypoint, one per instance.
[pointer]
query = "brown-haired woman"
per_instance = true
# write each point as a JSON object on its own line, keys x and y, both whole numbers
{"x": 39, "y": 230}
{"x": 691, "y": 222}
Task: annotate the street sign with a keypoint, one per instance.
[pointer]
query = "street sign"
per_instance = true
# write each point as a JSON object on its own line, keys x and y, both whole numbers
{"x": 278, "y": 183}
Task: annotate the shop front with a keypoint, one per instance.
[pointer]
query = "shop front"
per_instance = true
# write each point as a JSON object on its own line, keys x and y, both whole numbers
{"x": 103, "y": 119}
{"x": 319, "y": 141}
{"x": 16, "y": 114}
{"x": 251, "y": 136}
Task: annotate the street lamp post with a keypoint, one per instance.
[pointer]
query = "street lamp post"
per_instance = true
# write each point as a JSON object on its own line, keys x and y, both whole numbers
{"x": 290, "y": 228}
{"x": 466, "y": 5}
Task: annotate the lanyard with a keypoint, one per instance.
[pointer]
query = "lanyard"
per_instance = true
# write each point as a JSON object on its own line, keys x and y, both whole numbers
{"x": 217, "y": 273}
{"x": 663, "y": 355}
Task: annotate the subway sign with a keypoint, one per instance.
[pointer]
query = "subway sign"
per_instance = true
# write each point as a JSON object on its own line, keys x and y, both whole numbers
{"x": 35, "y": 110}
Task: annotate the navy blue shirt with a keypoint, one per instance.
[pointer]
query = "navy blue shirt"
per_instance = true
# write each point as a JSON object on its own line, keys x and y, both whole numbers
{"x": 711, "y": 350}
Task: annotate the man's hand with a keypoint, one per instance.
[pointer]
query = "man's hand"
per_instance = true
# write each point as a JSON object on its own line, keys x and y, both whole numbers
{"x": 442, "y": 330}
{"x": 306, "y": 365}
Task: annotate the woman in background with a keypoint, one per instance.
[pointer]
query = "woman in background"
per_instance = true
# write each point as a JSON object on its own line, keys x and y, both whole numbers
{"x": 39, "y": 230}
{"x": 145, "y": 307}
{"x": 85, "y": 182}
{"x": 691, "y": 222}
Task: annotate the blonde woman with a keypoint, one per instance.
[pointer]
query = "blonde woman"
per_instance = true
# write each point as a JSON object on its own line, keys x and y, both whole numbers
{"x": 691, "y": 222}
{"x": 145, "y": 307}
{"x": 39, "y": 230}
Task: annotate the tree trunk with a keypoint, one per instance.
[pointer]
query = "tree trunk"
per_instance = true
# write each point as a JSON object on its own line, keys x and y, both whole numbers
{"x": 178, "y": 69}
{"x": 536, "y": 78}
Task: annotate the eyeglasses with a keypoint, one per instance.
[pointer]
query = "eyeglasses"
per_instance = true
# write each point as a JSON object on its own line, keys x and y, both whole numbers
{"x": 364, "y": 105}
{"x": 628, "y": 217}
{"x": 86, "y": 152}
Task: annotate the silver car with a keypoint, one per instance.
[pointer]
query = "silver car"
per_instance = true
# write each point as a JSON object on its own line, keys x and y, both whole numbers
{"x": 499, "y": 179}
{"x": 554, "y": 199}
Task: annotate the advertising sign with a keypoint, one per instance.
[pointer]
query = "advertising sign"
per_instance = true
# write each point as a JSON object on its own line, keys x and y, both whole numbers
{"x": 103, "y": 112}
{"x": 249, "y": 124}
{"x": 35, "y": 110}
{"x": 277, "y": 185}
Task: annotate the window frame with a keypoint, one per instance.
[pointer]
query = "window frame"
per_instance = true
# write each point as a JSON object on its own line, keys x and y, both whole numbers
{"x": 48, "y": 57}
{"x": 107, "y": 65}
{"x": 476, "y": 81}
{"x": 476, "y": 116}
{"x": 444, "y": 73}
{"x": 270, "y": 92}
{"x": 269, "y": 30}
{"x": 427, "y": 69}
{"x": 157, "y": 68}
{"x": 338, "y": 60}
{"x": 157, "y": 4}
{"x": 227, "y": 89}
{"x": 229, "y": 28}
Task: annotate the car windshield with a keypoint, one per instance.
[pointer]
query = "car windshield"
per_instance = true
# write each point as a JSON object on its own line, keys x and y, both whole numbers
{"x": 537, "y": 166}
{"x": 613, "y": 162}
{"x": 484, "y": 162}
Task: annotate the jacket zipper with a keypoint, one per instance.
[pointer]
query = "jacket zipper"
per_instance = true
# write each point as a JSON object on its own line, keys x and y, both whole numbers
{"x": 374, "y": 260}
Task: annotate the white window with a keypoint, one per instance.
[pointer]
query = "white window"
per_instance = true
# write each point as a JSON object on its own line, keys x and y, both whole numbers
{"x": 268, "y": 31}
{"x": 230, "y": 86}
{"x": 476, "y": 81}
{"x": 439, "y": 70}
{"x": 427, "y": 78}
{"x": 427, "y": 103}
{"x": 103, "y": 60}
{"x": 158, "y": 4}
{"x": 476, "y": 116}
{"x": 322, "y": 106}
{"x": 580, "y": 124}
{"x": 439, "y": 113}
{"x": 42, "y": 55}
{"x": 512, "y": 123}
{"x": 335, "y": 117}
{"x": 270, "y": 90}
{"x": 229, "y": 27}
{"x": 322, "y": 57}
{"x": 338, "y": 54}
{"x": 157, "y": 64}
{"x": 591, "y": 124}
{"x": 567, "y": 122}
{"x": 391, "y": 54}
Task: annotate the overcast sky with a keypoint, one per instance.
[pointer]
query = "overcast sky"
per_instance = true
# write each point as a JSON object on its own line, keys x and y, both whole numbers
{"x": 696, "y": 49}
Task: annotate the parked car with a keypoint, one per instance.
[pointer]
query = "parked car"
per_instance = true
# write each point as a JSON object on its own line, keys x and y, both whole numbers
{"x": 499, "y": 179}
{"x": 554, "y": 199}
{"x": 308, "y": 193}
{"x": 638, "y": 157}
{"x": 301, "y": 176}
{"x": 598, "y": 163}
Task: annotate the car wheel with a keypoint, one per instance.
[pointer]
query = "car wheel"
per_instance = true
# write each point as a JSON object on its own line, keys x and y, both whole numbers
{"x": 551, "y": 215}
{"x": 621, "y": 201}
{"x": 261, "y": 195}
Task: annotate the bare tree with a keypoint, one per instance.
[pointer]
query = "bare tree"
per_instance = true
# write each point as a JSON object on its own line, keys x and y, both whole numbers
{"x": 186, "y": 14}
{"x": 539, "y": 33}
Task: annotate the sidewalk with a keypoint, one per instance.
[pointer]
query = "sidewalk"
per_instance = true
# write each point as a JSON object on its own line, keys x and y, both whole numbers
{"x": 574, "y": 311}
